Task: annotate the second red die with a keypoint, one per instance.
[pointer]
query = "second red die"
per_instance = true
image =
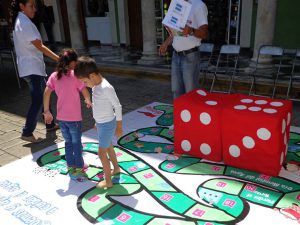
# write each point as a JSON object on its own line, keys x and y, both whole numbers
{"x": 255, "y": 133}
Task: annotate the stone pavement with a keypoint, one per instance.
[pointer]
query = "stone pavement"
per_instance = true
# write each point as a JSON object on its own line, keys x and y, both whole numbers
{"x": 135, "y": 85}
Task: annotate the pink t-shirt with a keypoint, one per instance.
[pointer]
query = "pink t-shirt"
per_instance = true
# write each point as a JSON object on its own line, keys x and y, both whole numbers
{"x": 67, "y": 89}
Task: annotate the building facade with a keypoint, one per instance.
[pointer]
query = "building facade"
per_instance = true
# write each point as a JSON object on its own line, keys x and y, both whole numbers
{"x": 120, "y": 22}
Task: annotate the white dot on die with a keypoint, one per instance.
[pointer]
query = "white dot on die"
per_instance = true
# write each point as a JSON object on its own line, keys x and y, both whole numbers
{"x": 281, "y": 158}
{"x": 288, "y": 118}
{"x": 263, "y": 134}
{"x": 246, "y": 100}
{"x": 211, "y": 102}
{"x": 205, "y": 118}
{"x": 278, "y": 104}
{"x": 285, "y": 139}
{"x": 234, "y": 151}
{"x": 240, "y": 107}
{"x": 185, "y": 115}
{"x": 201, "y": 92}
{"x": 254, "y": 109}
{"x": 248, "y": 142}
{"x": 261, "y": 102}
{"x": 270, "y": 111}
{"x": 205, "y": 149}
{"x": 186, "y": 145}
{"x": 283, "y": 126}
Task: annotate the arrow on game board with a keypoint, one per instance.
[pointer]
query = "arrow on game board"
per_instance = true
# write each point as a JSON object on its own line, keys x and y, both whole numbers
{"x": 147, "y": 114}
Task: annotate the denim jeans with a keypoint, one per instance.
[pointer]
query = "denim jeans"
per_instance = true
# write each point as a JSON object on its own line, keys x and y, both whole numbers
{"x": 37, "y": 86}
{"x": 184, "y": 73}
{"x": 71, "y": 132}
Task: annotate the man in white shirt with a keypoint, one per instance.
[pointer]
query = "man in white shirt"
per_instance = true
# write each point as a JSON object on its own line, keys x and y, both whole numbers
{"x": 185, "y": 59}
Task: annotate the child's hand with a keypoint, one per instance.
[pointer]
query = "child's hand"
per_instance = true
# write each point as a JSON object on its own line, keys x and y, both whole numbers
{"x": 48, "y": 117}
{"x": 88, "y": 103}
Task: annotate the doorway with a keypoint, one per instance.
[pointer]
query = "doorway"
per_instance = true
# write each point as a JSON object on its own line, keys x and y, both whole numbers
{"x": 135, "y": 25}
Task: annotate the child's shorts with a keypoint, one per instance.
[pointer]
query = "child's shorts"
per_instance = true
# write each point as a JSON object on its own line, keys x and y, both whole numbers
{"x": 106, "y": 132}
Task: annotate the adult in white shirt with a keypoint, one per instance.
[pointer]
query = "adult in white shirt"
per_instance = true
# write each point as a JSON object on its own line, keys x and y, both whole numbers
{"x": 185, "y": 59}
{"x": 29, "y": 50}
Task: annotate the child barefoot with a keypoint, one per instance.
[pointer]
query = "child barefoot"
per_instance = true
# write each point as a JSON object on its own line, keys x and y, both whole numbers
{"x": 107, "y": 112}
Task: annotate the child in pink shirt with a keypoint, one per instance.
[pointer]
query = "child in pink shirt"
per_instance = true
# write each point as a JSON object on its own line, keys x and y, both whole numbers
{"x": 67, "y": 88}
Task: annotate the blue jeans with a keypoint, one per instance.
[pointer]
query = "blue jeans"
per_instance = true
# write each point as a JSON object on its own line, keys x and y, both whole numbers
{"x": 71, "y": 132}
{"x": 37, "y": 86}
{"x": 184, "y": 73}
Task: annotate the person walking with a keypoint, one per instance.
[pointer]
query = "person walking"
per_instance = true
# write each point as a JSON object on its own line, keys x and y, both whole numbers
{"x": 67, "y": 88}
{"x": 29, "y": 51}
{"x": 185, "y": 66}
{"x": 107, "y": 112}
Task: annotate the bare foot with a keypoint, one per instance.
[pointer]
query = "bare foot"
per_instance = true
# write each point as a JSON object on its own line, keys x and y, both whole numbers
{"x": 103, "y": 184}
{"x": 115, "y": 171}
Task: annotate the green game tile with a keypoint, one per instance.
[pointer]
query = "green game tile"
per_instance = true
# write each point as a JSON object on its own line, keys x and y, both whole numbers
{"x": 152, "y": 181}
{"x": 178, "y": 202}
{"x": 203, "y": 169}
{"x": 133, "y": 166}
{"x": 224, "y": 185}
{"x": 120, "y": 215}
{"x": 175, "y": 165}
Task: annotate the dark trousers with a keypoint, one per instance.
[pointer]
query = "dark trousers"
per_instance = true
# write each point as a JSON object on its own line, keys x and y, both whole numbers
{"x": 36, "y": 84}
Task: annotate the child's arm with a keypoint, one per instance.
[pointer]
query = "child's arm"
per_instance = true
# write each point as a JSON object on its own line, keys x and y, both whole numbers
{"x": 48, "y": 117}
{"x": 119, "y": 129}
{"x": 87, "y": 97}
{"x": 112, "y": 96}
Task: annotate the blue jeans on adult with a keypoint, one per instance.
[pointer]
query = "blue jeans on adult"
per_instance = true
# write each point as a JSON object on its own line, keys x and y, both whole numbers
{"x": 37, "y": 86}
{"x": 71, "y": 132}
{"x": 184, "y": 73}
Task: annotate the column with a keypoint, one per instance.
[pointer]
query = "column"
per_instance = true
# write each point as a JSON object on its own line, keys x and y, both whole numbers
{"x": 74, "y": 25}
{"x": 150, "y": 53}
{"x": 265, "y": 24}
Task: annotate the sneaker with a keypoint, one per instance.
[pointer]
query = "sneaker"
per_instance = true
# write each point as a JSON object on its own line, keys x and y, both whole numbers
{"x": 79, "y": 175}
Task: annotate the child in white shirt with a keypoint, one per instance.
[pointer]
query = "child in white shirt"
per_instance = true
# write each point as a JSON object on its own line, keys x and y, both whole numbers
{"x": 107, "y": 112}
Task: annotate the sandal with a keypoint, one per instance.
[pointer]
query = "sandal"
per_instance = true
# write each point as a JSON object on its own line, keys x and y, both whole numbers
{"x": 54, "y": 128}
{"x": 32, "y": 139}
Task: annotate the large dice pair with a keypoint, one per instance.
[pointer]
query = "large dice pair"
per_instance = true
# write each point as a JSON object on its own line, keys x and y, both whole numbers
{"x": 244, "y": 131}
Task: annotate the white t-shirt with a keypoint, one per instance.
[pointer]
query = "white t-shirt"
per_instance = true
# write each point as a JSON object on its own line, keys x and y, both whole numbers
{"x": 29, "y": 59}
{"x": 106, "y": 104}
{"x": 196, "y": 18}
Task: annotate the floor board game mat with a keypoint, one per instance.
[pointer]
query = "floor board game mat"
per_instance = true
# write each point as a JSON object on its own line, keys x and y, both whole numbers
{"x": 155, "y": 187}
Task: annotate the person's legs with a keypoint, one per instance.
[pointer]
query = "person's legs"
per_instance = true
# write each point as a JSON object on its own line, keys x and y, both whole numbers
{"x": 176, "y": 76}
{"x": 75, "y": 132}
{"x": 102, "y": 152}
{"x": 190, "y": 66}
{"x": 113, "y": 159}
{"x": 68, "y": 143}
{"x": 36, "y": 87}
{"x": 106, "y": 132}
{"x": 36, "y": 84}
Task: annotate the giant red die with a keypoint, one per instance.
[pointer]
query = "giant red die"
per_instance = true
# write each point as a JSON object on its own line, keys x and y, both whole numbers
{"x": 255, "y": 133}
{"x": 197, "y": 124}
